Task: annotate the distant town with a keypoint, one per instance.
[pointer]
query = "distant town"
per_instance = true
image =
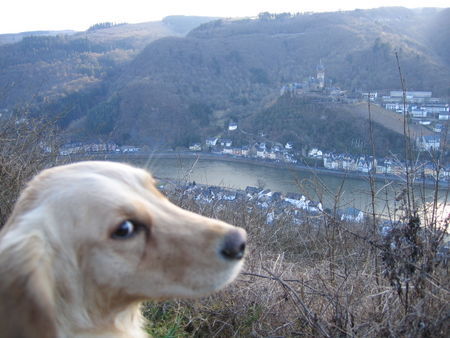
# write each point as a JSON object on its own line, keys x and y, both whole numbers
{"x": 274, "y": 205}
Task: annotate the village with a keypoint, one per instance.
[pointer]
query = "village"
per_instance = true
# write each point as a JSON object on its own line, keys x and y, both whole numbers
{"x": 274, "y": 206}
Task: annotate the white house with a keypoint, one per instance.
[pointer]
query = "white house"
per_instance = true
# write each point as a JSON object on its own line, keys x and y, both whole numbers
{"x": 232, "y": 126}
{"x": 351, "y": 215}
{"x": 429, "y": 142}
{"x": 260, "y": 153}
{"x": 130, "y": 149}
{"x": 211, "y": 141}
{"x": 419, "y": 113}
{"x": 289, "y": 146}
{"x": 271, "y": 155}
{"x": 438, "y": 128}
{"x": 195, "y": 147}
{"x": 444, "y": 116}
{"x": 315, "y": 153}
{"x": 227, "y": 150}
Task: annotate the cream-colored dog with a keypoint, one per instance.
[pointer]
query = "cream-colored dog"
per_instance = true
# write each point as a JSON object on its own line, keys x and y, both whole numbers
{"x": 88, "y": 242}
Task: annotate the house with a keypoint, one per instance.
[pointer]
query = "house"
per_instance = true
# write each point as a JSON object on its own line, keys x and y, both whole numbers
{"x": 438, "y": 128}
{"x": 289, "y": 146}
{"x": 212, "y": 141}
{"x": 251, "y": 191}
{"x": 384, "y": 167}
{"x": 226, "y": 143}
{"x": 363, "y": 166}
{"x": 373, "y": 96}
{"x": 412, "y": 96}
{"x": 130, "y": 149}
{"x": 351, "y": 215}
{"x": 445, "y": 172}
{"x": 227, "y": 150}
{"x": 348, "y": 163}
{"x": 229, "y": 195}
{"x": 260, "y": 153}
{"x": 425, "y": 122}
{"x": 245, "y": 151}
{"x": 237, "y": 152}
{"x": 289, "y": 158}
{"x": 428, "y": 143}
{"x": 314, "y": 207}
{"x": 271, "y": 155}
{"x": 276, "y": 148}
{"x": 419, "y": 113}
{"x": 232, "y": 126}
{"x": 436, "y": 108}
{"x": 429, "y": 169}
{"x": 276, "y": 196}
{"x": 397, "y": 107}
{"x": 398, "y": 169}
{"x": 315, "y": 153}
{"x": 195, "y": 147}
{"x": 330, "y": 161}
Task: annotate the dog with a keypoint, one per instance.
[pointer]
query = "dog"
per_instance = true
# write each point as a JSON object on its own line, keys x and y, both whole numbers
{"x": 88, "y": 242}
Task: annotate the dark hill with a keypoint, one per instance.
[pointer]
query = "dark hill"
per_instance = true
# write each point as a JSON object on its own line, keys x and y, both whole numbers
{"x": 43, "y": 66}
{"x": 235, "y": 68}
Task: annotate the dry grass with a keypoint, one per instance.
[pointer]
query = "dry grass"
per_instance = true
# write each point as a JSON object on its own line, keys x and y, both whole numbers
{"x": 312, "y": 280}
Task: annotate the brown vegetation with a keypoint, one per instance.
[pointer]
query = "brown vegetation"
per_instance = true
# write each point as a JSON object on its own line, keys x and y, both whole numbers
{"x": 322, "y": 278}
{"x": 27, "y": 146}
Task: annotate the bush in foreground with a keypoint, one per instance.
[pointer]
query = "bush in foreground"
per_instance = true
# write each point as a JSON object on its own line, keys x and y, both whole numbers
{"x": 325, "y": 278}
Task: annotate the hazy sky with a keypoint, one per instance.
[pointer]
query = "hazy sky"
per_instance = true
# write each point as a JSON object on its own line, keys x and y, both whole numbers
{"x": 28, "y": 15}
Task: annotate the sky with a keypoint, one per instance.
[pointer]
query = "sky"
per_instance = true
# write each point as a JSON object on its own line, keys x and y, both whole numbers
{"x": 31, "y": 15}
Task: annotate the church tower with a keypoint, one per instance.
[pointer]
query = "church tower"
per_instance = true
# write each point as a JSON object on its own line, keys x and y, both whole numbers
{"x": 320, "y": 75}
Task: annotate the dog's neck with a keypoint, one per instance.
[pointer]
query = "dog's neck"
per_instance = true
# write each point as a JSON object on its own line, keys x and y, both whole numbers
{"x": 89, "y": 313}
{"x": 96, "y": 323}
{"x": 127, "y": 323}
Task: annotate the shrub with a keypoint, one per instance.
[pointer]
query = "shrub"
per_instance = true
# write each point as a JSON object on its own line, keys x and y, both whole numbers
{"x": 27, "y": 145}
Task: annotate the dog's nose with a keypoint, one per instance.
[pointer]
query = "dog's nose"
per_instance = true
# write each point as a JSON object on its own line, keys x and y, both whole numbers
{"x": 234, "y": 245}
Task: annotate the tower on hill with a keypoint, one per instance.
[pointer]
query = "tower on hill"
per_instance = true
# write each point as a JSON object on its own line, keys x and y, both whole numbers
{"x": 320, "y": 75}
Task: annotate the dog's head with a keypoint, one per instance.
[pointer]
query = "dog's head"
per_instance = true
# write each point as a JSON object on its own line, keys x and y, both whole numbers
{"x": 101, "y": 233}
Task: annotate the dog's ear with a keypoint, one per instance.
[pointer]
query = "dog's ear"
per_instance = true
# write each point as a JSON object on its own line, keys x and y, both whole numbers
{"x": 27, "y": 307}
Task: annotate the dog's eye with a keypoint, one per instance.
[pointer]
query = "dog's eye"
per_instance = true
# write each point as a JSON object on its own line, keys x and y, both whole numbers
{"x": 125, "y": 230}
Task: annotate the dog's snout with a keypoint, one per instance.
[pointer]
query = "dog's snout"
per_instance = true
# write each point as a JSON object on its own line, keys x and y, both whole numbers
{"x": 234, "y": 245}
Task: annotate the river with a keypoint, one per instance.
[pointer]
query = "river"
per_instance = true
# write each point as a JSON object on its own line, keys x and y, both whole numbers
{"x": 330, "y": 189}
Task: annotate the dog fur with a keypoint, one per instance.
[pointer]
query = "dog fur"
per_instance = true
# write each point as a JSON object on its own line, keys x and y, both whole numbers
{"x": 65, "y": 273}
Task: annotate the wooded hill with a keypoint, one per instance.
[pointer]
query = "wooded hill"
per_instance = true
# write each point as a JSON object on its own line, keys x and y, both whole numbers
{"x": 182, "y": 89}
{"x": 46, "y": 66}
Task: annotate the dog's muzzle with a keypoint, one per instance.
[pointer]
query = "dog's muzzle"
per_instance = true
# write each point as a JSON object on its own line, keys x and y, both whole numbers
{"x": 234, "y": 245}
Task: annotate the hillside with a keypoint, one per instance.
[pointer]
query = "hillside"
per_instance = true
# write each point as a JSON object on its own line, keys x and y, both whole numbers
{"x": 181, "y": 89}
{"x": 235, "y": 68}
{"x": 42, "y": 67}
{"x": 330, "y": 126}
{"x": 17, "y": 37}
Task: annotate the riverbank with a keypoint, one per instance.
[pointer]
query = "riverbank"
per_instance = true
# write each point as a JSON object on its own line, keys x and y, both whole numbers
{"x": 152, "y": 156}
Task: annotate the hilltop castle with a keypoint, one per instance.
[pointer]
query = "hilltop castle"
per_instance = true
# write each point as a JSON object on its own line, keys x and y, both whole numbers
{"x": 312, "y": 84}
{"x": 320, "y": 76}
